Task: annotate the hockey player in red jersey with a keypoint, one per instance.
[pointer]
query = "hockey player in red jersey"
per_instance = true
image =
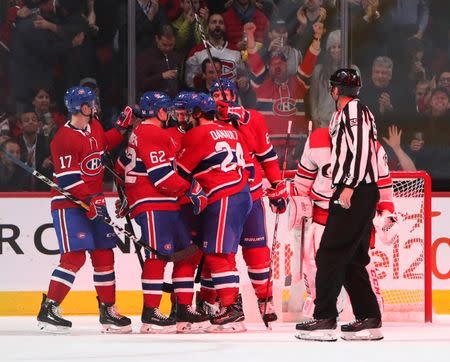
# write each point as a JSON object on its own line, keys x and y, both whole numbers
{"x": 214, "y": 155}
{"x": 312, "y": 183}
{"x": 251, "y": 126}
{"x": 76, "y": 152}
{"x": 182, "y": 118}
{"x": 152, "y": 187}
{"x": 188, "y": 319}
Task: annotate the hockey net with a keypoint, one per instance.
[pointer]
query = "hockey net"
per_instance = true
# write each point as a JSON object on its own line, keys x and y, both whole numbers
{"x": 403, "y": 268}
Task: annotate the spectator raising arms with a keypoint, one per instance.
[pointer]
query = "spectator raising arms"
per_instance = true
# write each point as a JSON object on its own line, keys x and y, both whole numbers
{"x": 280, "y": 97}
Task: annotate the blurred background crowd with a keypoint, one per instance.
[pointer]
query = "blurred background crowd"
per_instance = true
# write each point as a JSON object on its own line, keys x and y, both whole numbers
{"x": 280, "y": 54}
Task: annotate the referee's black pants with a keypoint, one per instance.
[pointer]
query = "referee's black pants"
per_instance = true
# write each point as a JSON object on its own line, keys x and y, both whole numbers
{"x": 344, "y": 253}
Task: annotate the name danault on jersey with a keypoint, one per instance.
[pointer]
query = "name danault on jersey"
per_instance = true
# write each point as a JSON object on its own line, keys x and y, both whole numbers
{"x": 224, "y": 134}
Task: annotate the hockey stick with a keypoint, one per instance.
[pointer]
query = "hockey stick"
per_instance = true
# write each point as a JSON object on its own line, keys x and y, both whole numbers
{"x": 302, "y": 235}
{"x": 72, "y": 198}
{"x": 277, "y": 220}
{"x": 208, "y": 50}
{"x": 168, "y": 288}
{"x": 108, "y": 163}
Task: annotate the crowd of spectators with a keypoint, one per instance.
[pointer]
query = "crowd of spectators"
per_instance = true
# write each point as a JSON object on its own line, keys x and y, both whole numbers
{"x": 280, "y": 53}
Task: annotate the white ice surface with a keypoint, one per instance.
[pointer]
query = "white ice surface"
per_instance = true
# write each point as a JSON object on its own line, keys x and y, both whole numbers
{"x": 21, "y": 341}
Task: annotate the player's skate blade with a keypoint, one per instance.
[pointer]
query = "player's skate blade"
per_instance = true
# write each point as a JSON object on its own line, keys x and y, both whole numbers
{"x": 233, "y": 327}
{"x": 189, "y": 320}
{"x": 113, "y": 329}
{"x": 367, "y": 329}
{"x": 49, "y": 318}
{"x": 155, "y": 329}
{"x": 364, "y": 335}
{"x": 323, "y": 335}
{"x": 52, "y": 329}
{"x": 154, "y": 322}
{"x": 187, "y": 327}
{"x": 322, "y": 330}
{"x": 112, "y": 321}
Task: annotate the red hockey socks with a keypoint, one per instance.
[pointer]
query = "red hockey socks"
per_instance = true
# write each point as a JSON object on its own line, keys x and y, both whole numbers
{"x": 183, "y": 278}
{"x": 207, "y": 291}
{"x": 152, "y": 281}
{"x": 64, "y": 275}
{"x": 104, "y": 276}
{"x": 258, "y": 263}
{"x": 225, "y": 276}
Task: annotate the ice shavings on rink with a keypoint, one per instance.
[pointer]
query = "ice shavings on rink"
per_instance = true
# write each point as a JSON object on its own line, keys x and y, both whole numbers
{"x": 21, "y": 341}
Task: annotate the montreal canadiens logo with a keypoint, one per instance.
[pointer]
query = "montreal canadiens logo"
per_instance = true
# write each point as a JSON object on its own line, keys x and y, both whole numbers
{"x": 284, "y": 106}
{"x": 92, "y": 165}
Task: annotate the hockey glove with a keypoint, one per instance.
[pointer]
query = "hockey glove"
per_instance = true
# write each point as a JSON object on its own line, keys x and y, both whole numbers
{"x": 122, "y": 208}
{"x": 386, "y": 226}
{"x": 125, "y": 119}
{"x": 301, "y": 207}
{"x": 97, "y": 208}
{"x": 233, "y": 112}
{"x": 197, "y": 197}
{"x": 278, "y": 197}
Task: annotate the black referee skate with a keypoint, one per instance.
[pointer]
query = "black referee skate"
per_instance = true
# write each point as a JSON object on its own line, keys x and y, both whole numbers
{"x": 229, "y": 319}
{"x": 267, "y": 313}
{"x": 153, "y": 321}
{"x": 322, "y": 330}
{"x": 189, "y": 320}
{"x": 111, "y": 320}
{"x": 49, "y": 317}
{"x": 370, "y": 329}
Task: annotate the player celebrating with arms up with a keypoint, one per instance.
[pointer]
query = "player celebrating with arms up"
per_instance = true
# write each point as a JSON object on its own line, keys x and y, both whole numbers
{"x": 76, "y": 151}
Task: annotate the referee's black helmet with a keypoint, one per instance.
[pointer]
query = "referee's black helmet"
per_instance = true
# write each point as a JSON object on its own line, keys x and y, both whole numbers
{"x": 347, "y": 80}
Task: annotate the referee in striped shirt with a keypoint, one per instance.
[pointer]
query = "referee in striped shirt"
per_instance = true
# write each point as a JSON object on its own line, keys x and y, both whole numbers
{"x": 344, "y": 248}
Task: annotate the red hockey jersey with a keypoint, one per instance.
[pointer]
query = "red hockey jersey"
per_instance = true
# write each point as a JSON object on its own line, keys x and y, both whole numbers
{"x": 176, "y": 133}
{"x": 151, "y": 182}
{"x": 256, "y": 137}
{"x": 280, "y": 103}
{"x": 77, "y": 162}
{"x": 216, "y": 157}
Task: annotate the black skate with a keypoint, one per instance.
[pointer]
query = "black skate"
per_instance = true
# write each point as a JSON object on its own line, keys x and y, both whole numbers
{"x": 209, "y": 310}
{"x": 268, "y": 313}
{"x": 229, "y": 319}
{"x": 153, "y": 321}
{"x": 111, "y": 320}
{"x": 322, "y": 330}
{"x": 370, "y": 328}
{"x": 49, "y": 317}
{"x": 189, "y": 320}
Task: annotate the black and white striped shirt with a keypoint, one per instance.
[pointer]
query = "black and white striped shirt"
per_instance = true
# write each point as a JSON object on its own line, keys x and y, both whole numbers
{"x": 353, "y": 135}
